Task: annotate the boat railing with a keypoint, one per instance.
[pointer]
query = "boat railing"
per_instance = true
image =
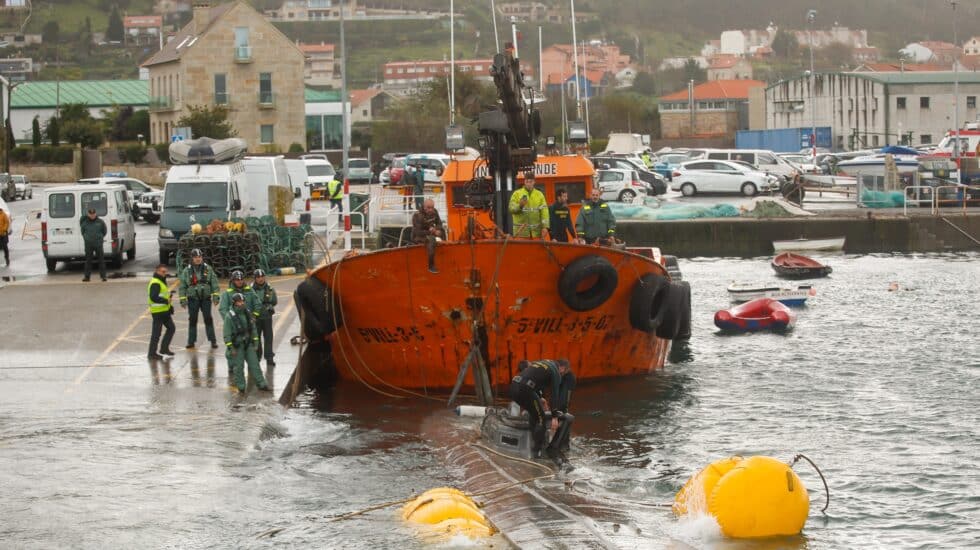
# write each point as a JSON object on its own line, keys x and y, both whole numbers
{"x": 919, "y": 195}
{"x": 335, "y": 227}
{"x": 396, "y": 206}
{"x": 959, "y": 196}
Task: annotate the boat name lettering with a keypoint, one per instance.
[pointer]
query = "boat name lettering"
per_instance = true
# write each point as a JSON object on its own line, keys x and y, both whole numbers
{"x": 540, "y": 169}
{"x": 390, "y": 335}
{"x": 556, "y": 325}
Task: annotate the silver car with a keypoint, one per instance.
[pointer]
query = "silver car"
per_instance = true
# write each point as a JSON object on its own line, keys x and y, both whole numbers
{"x": 358, "y": 170}
{"x": 618, "y": 184}
{"x": 22, "y": 186}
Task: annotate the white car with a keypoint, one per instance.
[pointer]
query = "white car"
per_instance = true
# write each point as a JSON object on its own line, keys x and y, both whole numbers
{"x": 720, "y": 176}
{"x": 617, "y": 184}
{"x": 23, "y": 186}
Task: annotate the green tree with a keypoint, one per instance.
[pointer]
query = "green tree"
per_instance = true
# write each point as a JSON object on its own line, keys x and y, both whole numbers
{"x": 693, "y": 71}
{"x": 49, "y": 32}
{"x": 36, "y": 132}
{"x": 645, "y": 84}
{"x": 114, "y": 31}
{"x": 785, "y": 45}
{"x": 74, "y": 111}
{"x": 211, "y": 122}
{"x": 53, "y": 131}
{"x": 138, "y": 124}
{"x": 87, "y": 133}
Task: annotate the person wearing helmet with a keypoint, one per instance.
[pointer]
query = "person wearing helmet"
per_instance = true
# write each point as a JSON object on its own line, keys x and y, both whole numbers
{"x": 241, "y": 339}
{"x": 265, "y": 306}
{"x": 236, "y": 283}
{"x": 198, "y": 290}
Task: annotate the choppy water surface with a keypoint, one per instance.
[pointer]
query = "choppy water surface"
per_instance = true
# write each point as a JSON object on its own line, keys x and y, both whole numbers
{"x": 878, "y": 387}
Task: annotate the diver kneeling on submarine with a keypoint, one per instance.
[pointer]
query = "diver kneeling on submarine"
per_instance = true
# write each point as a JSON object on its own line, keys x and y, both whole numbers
{"x": 527, "y": 390}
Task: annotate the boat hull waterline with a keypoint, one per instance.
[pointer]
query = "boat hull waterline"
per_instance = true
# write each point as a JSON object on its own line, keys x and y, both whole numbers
{"x": 407, "y": 328}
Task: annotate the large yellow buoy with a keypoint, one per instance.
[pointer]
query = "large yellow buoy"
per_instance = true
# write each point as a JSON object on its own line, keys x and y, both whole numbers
{"x": 750, "y": 497}
{"x": 448, "y": 510}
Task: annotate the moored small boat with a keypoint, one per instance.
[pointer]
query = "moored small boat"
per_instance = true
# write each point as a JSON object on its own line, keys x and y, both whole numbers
{"x": 829, "y": 244}
{"x": 758, "y": 314}
{"x": 799, "y": 266}
{"x": 790, "y": 295}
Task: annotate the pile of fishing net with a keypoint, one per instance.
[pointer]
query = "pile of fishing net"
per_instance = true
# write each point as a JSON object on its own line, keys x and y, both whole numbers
{"x": 670, "y": 211}
{"x": 882, "y": 199}
{"x": 264, "y": 245}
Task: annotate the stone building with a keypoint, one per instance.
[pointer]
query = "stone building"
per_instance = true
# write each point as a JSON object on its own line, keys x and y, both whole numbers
{"x": 230, "y": 55}
{"x": 720, "y": 108}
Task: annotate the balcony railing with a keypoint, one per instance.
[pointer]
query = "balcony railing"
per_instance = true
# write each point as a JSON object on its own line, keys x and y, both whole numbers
{"x": 161, "y": 103}
{"x": 243, "y": 54}
{"x": 267, "y": 100}
{"x": 222, "y": 98}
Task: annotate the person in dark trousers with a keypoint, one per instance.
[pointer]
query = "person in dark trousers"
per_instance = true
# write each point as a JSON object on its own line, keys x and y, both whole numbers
{"x": 335, "y": 192}
{"x": 5, "y": 235}
{"x": 265, "y": 301}
{"x": 236, "y": 283}
{"x": 419, "y": 190}
{"x": 93, "y": 233}
{"x": 561, "y": 227}
{"x": 158, "y": 297}
{"x": 198, "y": 291}
{"x": 426, "y": 228}
{"x": 527, "y": 390}
{"x": 241, "y": 339}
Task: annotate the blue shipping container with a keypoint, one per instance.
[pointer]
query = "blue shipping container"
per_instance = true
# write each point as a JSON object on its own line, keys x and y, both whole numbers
{"x": 783, "y": 140}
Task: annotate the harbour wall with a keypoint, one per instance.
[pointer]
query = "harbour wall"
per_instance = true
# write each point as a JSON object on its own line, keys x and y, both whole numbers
{"x": 866, "y": 232}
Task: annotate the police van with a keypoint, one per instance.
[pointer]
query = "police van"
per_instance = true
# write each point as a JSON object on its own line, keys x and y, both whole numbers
{"x": 62, "y": 211}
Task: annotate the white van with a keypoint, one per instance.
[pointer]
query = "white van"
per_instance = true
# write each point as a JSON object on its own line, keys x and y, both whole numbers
{"x": 765, "y": 161}
{"x": 319, "y": 172}
{"x": 261, "y": 175}
{"x": 433, "y": 163}
{"x": 61, "y": 216}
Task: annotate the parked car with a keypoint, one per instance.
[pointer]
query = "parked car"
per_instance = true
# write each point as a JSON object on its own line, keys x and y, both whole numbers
{"x": 22, "y": 186}
{"x": 617, "y": 184}
{"x": 393, "y": 173}
{"x": 8, "y": 191}
{"x": 657, "y": 183}
{"x": 720, "y": 176}
{"x": 434, "y": 164}
{"x": 149, "y": 206}
{"x": 63, "y": 207}
{"x": 767, "y": 161}
{"x": 358, "y": 171}
{"x": 135, "y": 187}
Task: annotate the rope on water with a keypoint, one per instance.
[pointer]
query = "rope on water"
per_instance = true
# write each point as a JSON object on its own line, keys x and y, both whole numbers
{"x": 825, "y": 487}
{"x": 514, "y": 458}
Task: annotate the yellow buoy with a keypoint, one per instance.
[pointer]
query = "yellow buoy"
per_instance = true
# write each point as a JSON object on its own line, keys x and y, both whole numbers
{"x": 449, "y": 510}
{"x": 758, "y": 496}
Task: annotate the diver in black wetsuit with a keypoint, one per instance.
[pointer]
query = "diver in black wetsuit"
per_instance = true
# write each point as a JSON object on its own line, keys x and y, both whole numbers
{"x": 527, "y": 390}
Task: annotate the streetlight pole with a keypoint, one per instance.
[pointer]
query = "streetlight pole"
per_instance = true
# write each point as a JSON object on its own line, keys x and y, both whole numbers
{"x": 956, "y": 98}
{"x": 810, "y": 16}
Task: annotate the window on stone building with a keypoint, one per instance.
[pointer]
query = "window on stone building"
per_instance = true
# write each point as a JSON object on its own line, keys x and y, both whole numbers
{"x": 900, "y": 102}
{"x": 220, "y": 89}
{"x": 266, "y": 134}
{"x": 971, "y": 102}
{"x": 924, "y": 102}
{"x": 265, "y": 88}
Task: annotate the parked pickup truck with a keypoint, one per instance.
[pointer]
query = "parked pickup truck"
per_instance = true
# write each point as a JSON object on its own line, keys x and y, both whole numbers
{"x": 150, "y": 206}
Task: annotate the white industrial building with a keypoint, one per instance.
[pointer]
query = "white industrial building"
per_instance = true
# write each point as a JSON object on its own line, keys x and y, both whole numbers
{"x": 868, "y": 110}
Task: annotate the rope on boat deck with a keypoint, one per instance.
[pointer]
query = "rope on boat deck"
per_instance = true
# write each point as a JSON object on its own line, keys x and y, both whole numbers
{"x": 825, "y": 487}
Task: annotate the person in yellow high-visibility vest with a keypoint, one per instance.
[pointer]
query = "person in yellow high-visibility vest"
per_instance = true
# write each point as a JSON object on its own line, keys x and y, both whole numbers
{"x": 529, "y": 210}
{"x": 158, "y": 298}
{"x": 335, "y": 192}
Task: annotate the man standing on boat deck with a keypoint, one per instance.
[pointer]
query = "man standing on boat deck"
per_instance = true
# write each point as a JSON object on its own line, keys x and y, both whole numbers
{"x": 198, "y": 291}
{"x": 426, "y": 228}
{"x": 596, "y": 222}
{"x": 529, "y": 210}
{"x": 560, "y": 227}
{"x": 527, "y": 390}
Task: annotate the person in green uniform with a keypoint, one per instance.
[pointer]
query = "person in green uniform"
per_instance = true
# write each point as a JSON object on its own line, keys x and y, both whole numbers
{"x": 93, "y": 233}
{"x": 198, "y": 290}
{"x": 236, "y": 284}
{"x": 596, "y": 222}
{"x": 265, "y": 300}
{"x": 241, "y": 339}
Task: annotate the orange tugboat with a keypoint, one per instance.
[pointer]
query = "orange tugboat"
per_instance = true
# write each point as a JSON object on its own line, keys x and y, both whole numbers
{"x": 392, "y": 325}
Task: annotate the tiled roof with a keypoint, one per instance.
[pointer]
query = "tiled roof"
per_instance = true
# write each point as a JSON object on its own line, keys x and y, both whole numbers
{"x": 358, "y": 97}
{"x": 94, "y": 93}
{"x": 723, "y": 62}
{"x": 717, "y": 89}
{"x": 171, "y": 50}
{"x": 899, "y": 67}
{"x": 316, "y": 48}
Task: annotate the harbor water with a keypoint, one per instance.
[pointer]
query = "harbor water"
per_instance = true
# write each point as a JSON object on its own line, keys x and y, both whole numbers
{"x": 877, "y": 385}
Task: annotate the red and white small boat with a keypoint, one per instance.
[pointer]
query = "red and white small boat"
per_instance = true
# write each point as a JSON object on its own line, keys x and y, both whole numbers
{"x": 758, "y": 314}
{"x": 798, "y": 266}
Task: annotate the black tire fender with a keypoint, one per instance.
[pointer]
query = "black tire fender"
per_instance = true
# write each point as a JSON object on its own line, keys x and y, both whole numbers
{"x": 684, "y": 329}
{"x": 650, "y": 295}
{"x": 581, "y": 269}
{"x": 317, "y": 304}
{"x": 673, "y": 312}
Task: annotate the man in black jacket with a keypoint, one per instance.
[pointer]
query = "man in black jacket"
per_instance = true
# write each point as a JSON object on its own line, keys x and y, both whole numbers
{"x": 158, "y": 297}
{"x": 528, "y": 389}
{"x": 561, "y": 227}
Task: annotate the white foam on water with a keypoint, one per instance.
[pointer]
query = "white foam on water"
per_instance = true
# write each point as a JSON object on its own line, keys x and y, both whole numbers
{"x": 699, "y": 530}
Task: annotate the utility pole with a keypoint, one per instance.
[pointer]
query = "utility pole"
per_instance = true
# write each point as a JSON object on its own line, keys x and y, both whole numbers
{"x": 956, "y": 99}
{"x": 345, "y": 132}
{"x": 810, "y": 16}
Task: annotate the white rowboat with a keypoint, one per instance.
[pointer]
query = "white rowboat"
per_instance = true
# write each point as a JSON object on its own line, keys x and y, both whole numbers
{"x": 788, "y": 295}
{"x": 811, "y": 245}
